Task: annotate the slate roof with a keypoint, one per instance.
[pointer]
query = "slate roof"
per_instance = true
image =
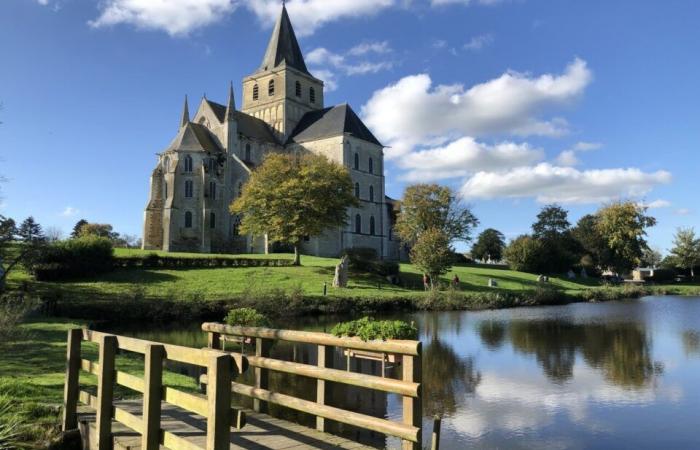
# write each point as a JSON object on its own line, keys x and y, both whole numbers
{"x": 283, "y": 47}
{"x": 247, "y": 125}
{"x": 194, "y": 137}
{"x": 329, "y": 122}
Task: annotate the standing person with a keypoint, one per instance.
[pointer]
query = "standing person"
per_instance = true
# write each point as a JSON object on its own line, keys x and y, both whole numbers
{"x": 455, "y": 282}
{"x": 426, "y": 281}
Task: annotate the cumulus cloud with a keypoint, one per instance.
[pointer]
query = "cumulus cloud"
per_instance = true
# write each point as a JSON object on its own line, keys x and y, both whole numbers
{"x": 176, "y": 17}
{"x": 69, "y": 211}
{"x": 479, "y": 42}
{"x": 465, "y": 156}
{"x": 413, "y": 111}
{"x": 656, "y": 204}
{"x": 569, "y": 157}
{"x": 355, "y": 61}
{"x": 548, "y": 183}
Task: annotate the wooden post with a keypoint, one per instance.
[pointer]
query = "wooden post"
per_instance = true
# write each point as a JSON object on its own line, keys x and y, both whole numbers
{"x": 323, "y": 391}
{"x": 412, "y": 407}
{"x": 105, "y": 392}
{"x": 214, "y": 340}
{"x": 153, "y": 379}
{"x": 262, "y": 377}
{"x": 219, "y": 374}
{"x": 435, "y": 445}
{"x": 72, "y": 387}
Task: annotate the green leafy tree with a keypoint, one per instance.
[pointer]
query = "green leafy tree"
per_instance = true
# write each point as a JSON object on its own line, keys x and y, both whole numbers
{"x": 289, "y": 197}
{"x": 30, "y": 231}
{"x": 103, "y": 230}
{"x": 686, "y": 250}
{"x": 525, "y": 254}
{"x": 623, "y": 225}
{"x": 430, "y": 206}
{"x": 651, "y": 258}
{"x": 553, "y": 230}
{"x": 552, "y": 222}
{"x": 432, "y": 254}
{"x": 594, "y": 247}
{"x": 489, "y": 245}
{"x": 78, "y": 226}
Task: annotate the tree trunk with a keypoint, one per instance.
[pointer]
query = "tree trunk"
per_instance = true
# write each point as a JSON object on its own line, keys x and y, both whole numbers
{"x": 297, "y": 256}
{"x": 692, "y": 272}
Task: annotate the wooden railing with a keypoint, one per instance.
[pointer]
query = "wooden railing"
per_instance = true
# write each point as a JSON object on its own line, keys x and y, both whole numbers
{"x": 408, "y": 353}
{"x": 215, "y": 407}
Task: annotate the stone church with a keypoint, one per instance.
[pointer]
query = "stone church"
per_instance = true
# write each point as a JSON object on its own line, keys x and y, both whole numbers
{"x": 207, "y": 164}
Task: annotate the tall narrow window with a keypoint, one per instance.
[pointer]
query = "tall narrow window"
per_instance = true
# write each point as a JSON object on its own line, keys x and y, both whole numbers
{"x": 256, "y": 92}
{"x": 298, "y": 89}
{"x": 371, "y": 193}
{"x": 371, "y": 225}
{"x": 212, "y": 220}
{"x": 247, "y": 152}
{"x": 358, "y": 224}
{"x": 235, "y": 222}
{"x": 165, "y": 190}
{"x": 166, "y": 165}
{"x": 188, "y": 189}
{"x": 271, "y": 88}
{"x": 357, "y": 190}
{"x": 312, "y": 95}
{"x": 212, "y": 190}
{"x": 371, "y": 166}
{"x": 188, "y": 164}
{"x": 357, "y": 161}
{"x": 188, "y": 219}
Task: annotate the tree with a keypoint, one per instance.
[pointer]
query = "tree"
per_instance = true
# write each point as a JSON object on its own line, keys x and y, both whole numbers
{"x": 651, "y": 258}
{"x": 290, "y": 197}
{"x": 432, "y": 254}
{"x": 489, "y": 245}
{"x": 560, "y": 250}
{"x": 104, "y": 230}
{"x": 427, "y": 206}
{"x": 623, "y": 225}
{"x": 552, "y": 221}
{"x": 77, "y": 227}
{"x": 594, "y": 247}
{"x": 54, "y": 234}
{"x": 30, "y": 231}
{"x": 525, "y": 254}
{"x": 686, "y": 250}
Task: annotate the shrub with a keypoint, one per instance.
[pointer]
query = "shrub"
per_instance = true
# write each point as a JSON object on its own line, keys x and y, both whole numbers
{"x": 155, "y": 261}
{"x": 369, "y": 329}
{"x": 13, "y": 309}
{"x": 662, "y": 276}
{"x": 74, "y": 258}
{"x": 364, "y": 259}
{"x": 525, "y": 254}
{"x": 246, "y": 317}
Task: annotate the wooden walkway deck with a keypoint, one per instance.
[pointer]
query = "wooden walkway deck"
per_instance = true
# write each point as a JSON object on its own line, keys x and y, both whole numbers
{"x": 260, "y": 432}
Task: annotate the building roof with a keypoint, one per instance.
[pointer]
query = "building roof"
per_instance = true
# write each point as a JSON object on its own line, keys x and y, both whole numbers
{"x": 283, "y": 47}
{"x": 329, "y": 122}
{"x": 247, "y": 125}
{"x": 194, "y": 137}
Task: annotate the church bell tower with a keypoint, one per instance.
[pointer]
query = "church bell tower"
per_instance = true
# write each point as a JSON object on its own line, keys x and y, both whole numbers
{"x": 282, "y": 90}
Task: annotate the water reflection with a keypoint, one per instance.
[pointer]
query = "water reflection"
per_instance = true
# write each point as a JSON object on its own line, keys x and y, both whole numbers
{"x": 691, "y": 342}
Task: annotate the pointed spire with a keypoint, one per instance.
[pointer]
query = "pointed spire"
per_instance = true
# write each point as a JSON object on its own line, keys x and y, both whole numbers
{"x": 231, "y": 106}
{"x": 283, "y": 46}
{"x": 185, "y": 114}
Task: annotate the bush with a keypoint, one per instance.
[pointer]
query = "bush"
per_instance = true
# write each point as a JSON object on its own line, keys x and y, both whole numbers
{"x": 74, "y": 258}
{"x": 246, "y": 317}
{"x": 363, "y": 259}
{"x": 13, "y": 309}
{"x": 369, "y": 329}
{"x": 525, "y": 254}
{"x": 662, "y": 276}
{"x": 155, "y": 261}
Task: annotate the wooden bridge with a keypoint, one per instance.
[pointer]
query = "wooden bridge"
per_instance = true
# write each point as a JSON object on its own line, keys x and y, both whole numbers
{"x": 170, "y": 418}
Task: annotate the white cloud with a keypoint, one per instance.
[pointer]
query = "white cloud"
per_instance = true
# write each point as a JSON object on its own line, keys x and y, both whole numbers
{"x": 548, "y": 183}
{"x": 683, "y": 211}
{"x": 326, "y": 64}
{"x": 330, "y": 81}
{"x": 657, "y": 204}
{"x": 176, "y": 17}
{"x": 413, "y": 112}
{"x": 370, "y": 47}
{"x": 465, "y": 2}
{"x": 466, "y": 156}
{"x": 479, "y": 42}
{"x": 69, "y": 211}
{"x": 568, "y": 158}
{"x": 582, "y": 146}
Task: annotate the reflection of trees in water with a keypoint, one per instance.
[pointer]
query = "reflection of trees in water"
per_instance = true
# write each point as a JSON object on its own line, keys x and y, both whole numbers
{"x": 492, "y": 333}
{"x": 691, "y": 342}
{"x": 446, "y": 378}
{"x": 621, "y": 351}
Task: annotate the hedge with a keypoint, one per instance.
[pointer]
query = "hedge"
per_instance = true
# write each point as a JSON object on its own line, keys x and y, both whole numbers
{"x": 155, "y": 261}
{"x": 74, "y": 258}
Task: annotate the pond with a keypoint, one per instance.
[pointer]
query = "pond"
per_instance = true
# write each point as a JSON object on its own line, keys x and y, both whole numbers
{"x": 609, "y": 375}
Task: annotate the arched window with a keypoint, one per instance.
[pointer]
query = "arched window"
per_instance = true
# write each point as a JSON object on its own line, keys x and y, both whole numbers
{"x": 212, "y": 190}
{"x": 371, "y": 166}
{"x": 188, "y": 219}
{"x": 357, "y": 190}
{"x": 165, "y": 190}
{"x": 357, "y": 161}
{"x": 358, "y": 224}
{"x": 271, "y": 88}
{"x": 256, "y": 92}
{"x": 371, "y": 193}
{"x": 312, "y": 95}
{"x": 247, "y": 152}
{"x": 212, "y": 220}
{"x": 298, "y": 89}
{"x": 188, "y": 189}
{"x": 188, "y": 164}
{"x": 371, "y": 225}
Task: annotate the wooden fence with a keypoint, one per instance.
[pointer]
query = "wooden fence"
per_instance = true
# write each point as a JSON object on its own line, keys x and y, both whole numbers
{"x": 215, "y": 407}
{"x": 407, "y": 353}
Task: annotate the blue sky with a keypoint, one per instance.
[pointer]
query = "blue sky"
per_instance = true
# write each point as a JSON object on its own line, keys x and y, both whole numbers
{"x": 514, "y": 103}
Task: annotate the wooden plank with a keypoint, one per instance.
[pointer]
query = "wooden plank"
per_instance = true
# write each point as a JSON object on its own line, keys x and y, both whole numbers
{"x": 339, "y": 376}
{"x": 323, "y": 391}
{"x": 175, "y": 442}
{"x": 126, "y": 418}
{"x": 72, "y": 386}
{"x": 262, "y": 376}
{"x": 152, "y": 396}
{"x": 412, "y": 407}
{"x": 393, "y": 346}
{"x": 214, "y": 341}
{"x": 219, "y": 372}
{"x": 190, "y": 402}
{"x": 130, "y": 381}
{"x": 435, "y": 442}
{"x": 379, "y": 425}
{"x": 105, "y": 391}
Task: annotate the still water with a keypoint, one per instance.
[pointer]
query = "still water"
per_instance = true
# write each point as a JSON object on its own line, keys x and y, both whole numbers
{"x": 582, "y": 376}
